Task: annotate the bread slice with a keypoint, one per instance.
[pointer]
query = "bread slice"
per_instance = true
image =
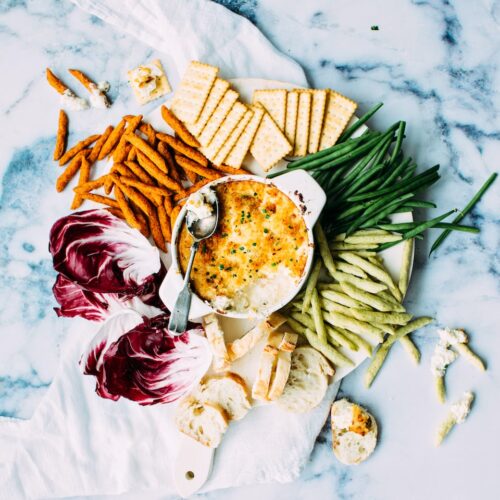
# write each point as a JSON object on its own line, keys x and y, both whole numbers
{"x": 267, "y": 362}
{"x": 307, "y": 382}
{"x": 215, "y": 337}
{"x": 280, "y": 376}
{"x": 284, "y": 341}
{"x": 204, "y": 422}
{"x": 354, "y": 432}
{"x": 244, "y": 344}
{"x": 228, "y": 391}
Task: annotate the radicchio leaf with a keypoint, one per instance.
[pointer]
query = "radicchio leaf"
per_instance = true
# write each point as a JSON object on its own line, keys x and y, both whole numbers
{"x": 137, "y": 358}
{"x": 75, "y": 301}
{"x": 102, "y": 254}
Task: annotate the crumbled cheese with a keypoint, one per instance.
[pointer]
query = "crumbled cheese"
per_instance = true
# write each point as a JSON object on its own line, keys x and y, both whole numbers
{"x": 441, "y": 358}
{"x": 222, "y": 303}
{"x": 145, "y": 79}
{"x": 201, "y": 203}
{"x": 461, "y": 408}
{"x": 342, "y": 414}
{"x": 70, "y": 101}
{"x": 452, "y": 337}
{"x": 103, "y": 86}
{"x": 98, "y": 98}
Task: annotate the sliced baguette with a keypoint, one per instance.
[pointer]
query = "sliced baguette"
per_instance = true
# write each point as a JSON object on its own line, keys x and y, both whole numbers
{"x": 280, "y": 376}
{"x": 266, "y": 365}
{"x": 307, "y": 382}
{"x": 354, "y": 432}
{"x": 244, "y": 344}
{"x": 228, "y": 391}
{"x": 204, "y": 422}
{"x": 215, "y": 337}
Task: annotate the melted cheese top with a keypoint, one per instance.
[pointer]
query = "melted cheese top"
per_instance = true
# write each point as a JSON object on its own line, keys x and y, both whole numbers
{"x": 258, "y": 252}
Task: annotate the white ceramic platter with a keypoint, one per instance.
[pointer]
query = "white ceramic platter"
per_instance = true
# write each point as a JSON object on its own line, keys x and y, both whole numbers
{"x": 193, "y": 463}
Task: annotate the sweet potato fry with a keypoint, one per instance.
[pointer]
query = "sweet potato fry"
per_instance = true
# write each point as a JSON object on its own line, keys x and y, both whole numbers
{"x": 94, "y": 155}
{"x": 132, "y": 154}
{"x": 115, "y": 211}
{"x": 84, "y": 177}
{"x": 178, "y": 127}
{"x": 69, "y": 172}
{"x": 164, "y": 150}
{"x": 122, "y": 169}
{"x": 140, "y": 173}
{"x": 80, "y": 146}
{"x": 100, "y": 199}
{"x": 121, "y": 152}
{"x": 145, "y": 205}
{"x": 128, "y": 213}
{"x": 183, "y": 148}
{"x": 148, "y": 190}
{"x": 83, "y": 79}
{"x": 54, "y": 82}
{"x": 230, "y": 170}
{"x": 149, "y": 152}
{"x": 62, "y": 135}
{"x": 90, "y": 185}
{"x": 180, "y": 196}
{"x": 164, "y": 221}
{"x": 167, "y": 202}
{"x": 192, "y": 177}
{"x": 191, "y": 165}
{"x": 113, "y": 140}
{"x": 141, "y": 218}
{"x": 174, "y": 214}
{"x": 160, "y": 176}
{"x": 149, "y": 132}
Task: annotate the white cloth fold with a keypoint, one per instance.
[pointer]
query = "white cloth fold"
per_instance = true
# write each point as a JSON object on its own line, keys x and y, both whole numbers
{"x": 79, "y": 444}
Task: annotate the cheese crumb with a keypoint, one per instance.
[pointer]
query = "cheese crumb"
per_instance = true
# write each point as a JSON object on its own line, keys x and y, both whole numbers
{"x": 461, "y": 409}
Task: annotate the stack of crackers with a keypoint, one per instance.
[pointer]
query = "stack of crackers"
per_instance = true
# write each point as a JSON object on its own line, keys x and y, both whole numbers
{"x": 312, "y": 119}
{"x": 278, "y": 122}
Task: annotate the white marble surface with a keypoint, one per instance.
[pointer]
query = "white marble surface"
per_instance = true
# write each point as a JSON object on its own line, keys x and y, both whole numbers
{"x": 434, "y": 64}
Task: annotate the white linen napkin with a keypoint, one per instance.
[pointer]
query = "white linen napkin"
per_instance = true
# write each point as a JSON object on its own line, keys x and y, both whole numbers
{"x": 79, "y": 444}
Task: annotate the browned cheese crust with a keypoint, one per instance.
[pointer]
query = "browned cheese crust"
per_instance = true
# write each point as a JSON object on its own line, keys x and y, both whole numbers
{"x": 259, "y": 229}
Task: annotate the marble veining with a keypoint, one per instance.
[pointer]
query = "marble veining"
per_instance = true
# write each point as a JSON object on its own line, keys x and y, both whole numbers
{"x": 434, "y": 64}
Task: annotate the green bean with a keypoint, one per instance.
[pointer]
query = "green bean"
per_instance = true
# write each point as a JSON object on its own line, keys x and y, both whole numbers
{"x": 395, "y": 173}
{"x": 465, "y": 211}
{"x": 441, "y": 225}
{"x": 362, "y": 179}
{"x": 379, "y": 210}
{"x": 404, "y": 275}
{"x": 417, "y": 230}
{"x": 410, "y": 348}
{"x": 399, "y": 141}
{"x": 420, "y": 204}
{"x": 336, "y": 357}
{"x": 351, "y": 129}
{"x": 383, "y": 350}
{"x": 311, "y": 284}
{"x": 415, "y": 181}
{"x": 319, "y": 324}
{"x": 336, "y": 148}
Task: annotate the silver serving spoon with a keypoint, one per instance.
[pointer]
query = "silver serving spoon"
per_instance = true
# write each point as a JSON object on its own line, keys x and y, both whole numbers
{"x": 200, "y": 229}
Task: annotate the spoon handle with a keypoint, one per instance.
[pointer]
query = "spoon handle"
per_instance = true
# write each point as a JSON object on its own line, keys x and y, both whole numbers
{"x": 179, "y": 317}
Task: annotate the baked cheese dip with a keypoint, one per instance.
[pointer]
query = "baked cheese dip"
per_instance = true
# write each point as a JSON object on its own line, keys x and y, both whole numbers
{"x": 258, "y": 253}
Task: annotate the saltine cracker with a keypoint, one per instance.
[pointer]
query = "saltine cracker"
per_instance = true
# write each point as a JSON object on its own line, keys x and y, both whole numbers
{"x": 269, "y": 145}
{"x": 215, "y": 121}
{"x": 274, "y": 102}
{"x": 228, "y": 125}
{"x": 317, "y": 114}
{"x": 292, "y": 106}
{"x": 339, "y": 111}
{"x": 233, "y": 138}
{"x": 217, "y": 92}
{"x": 193, "y": 91}
{"x": 303, "y": 117}
{"x": 237, "y": 154}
